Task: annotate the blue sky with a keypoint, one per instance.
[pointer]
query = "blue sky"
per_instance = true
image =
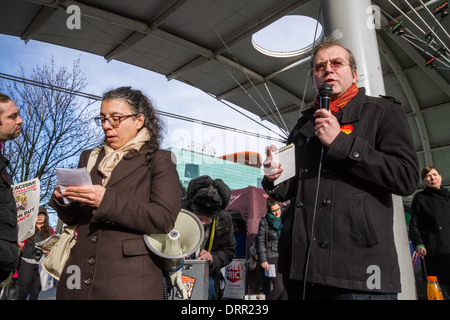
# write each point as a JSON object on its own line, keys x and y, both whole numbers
{"x": 169, "y": 96}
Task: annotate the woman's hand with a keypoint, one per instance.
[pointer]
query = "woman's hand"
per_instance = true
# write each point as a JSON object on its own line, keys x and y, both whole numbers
{"x": 422, "y": 251}
{"x": 58, "y": 193}
{"x": 205, "y": 255}
{"x": 91, "y": 195}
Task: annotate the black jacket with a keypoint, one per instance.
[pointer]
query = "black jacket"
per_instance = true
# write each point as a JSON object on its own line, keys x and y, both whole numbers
{"x": 266, "y": 241}
{"x": 430, "y": 220}
{"x": 353, "y": 228}
{"x": 9, "y": 256}
{"x": 224, "y": 243}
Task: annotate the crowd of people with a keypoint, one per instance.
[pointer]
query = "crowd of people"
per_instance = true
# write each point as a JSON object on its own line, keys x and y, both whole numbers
{"x": 339, "y": 223}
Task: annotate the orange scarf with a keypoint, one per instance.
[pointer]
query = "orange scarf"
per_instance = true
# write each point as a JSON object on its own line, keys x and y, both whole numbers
{"x": 339, "y": 103}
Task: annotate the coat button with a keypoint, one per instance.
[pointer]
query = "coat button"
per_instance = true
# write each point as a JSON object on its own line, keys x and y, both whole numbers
{"x": 91, "y": 260}
{"x": 94, "y": 239}
{"x": 356, "y": 154}
{"x": 326, "y": 170}
{"x": 88, "y": 281}
{"x": 323, "y": 244}
{"x": 304, "y": 170}
{"x": 326, "y": 202}
{"x": 299, "y": 204}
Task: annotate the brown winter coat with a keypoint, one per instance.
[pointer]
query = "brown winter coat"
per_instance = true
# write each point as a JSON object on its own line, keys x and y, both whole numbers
{"x": 110, "y": 251}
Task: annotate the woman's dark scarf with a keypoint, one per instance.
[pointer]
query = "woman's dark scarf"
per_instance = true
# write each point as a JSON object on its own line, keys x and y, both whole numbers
{"x": 274, "y": 222}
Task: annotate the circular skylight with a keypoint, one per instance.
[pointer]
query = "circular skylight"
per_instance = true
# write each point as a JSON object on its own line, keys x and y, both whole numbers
{"x": 287, "y": 37}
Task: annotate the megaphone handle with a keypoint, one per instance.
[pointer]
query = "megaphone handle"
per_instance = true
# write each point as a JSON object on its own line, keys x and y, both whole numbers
{"x": 181, "y": 287}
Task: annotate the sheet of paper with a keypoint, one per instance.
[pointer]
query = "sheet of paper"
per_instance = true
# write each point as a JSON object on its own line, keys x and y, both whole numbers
{"x": 48, "y": 243}
{"x": 27, "y": 195}
{"x": 285, "y": 156}
{"x": 271, "y": 272}
{"x": 72, "y": 177}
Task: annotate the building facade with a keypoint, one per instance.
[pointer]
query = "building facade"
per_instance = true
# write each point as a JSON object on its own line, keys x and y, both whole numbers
{"x": 191, "y": 165}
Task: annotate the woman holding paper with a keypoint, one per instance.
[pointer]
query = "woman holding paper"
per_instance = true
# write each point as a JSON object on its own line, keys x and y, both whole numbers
{"x": 28, "y": 271}
{"x": 267, "y": 247}
{"x": 135, "y": 191}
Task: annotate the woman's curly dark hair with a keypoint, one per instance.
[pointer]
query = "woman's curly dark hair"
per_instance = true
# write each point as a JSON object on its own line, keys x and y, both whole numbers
{"x": 140, "y": 104}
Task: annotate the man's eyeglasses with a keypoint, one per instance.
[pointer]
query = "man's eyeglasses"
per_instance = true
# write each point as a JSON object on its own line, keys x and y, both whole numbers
{"x": 335, "y": 65}
{"x": 114, "y": 121}
{"x": 275, "y": 210}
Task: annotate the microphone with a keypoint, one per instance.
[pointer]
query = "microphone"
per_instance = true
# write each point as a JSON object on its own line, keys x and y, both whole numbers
{"x": 325, "y": 92}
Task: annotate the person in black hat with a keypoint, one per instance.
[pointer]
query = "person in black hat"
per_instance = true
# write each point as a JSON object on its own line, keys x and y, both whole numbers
{"x": 208, "y": 199}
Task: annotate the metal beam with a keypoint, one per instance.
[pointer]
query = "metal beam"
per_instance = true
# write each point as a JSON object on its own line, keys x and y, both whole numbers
{"x": 297, "y": 100}
{"x": 137, "y": 36}
{"x": 44, "y": 14}
{"x": 141, "y": 30}
{"x": 246, "y": 34}
{"x": 419, "y": 60}
{"x": 410, "y": 95}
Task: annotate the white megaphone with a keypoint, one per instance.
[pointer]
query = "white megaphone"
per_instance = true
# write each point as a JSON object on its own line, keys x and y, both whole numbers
{"x": 185, "y": 239}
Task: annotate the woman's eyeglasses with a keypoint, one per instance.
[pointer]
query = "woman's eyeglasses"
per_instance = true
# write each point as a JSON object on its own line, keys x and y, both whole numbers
{"x": 114, "y": 121}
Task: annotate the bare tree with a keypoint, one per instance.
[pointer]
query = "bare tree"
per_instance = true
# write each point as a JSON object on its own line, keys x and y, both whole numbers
{"x": 57, "y": 126}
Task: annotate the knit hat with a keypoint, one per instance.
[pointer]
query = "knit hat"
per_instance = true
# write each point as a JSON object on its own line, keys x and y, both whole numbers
{"x": 207, "y": 197}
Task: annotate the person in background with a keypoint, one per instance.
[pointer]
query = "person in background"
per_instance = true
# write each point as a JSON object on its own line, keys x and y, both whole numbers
{"x": 208, "y": 199}
{"x": 429, "y": 227}
{"x": 135, "y": 191}
{"x": 10, "y": 126}
{"x": 239, "y": 235}
{"x": 28, "y": 273}
{"x": 349, "y": 162}
{"x": 267, "y": 247}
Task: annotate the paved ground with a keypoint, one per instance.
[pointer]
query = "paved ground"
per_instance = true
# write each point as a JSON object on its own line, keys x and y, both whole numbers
{"x": 48, "y": 295}
{"x": 43, "y": 295}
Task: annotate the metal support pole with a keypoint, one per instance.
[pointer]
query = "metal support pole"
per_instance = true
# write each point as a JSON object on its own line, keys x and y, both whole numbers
{"x": 353, "y": 24}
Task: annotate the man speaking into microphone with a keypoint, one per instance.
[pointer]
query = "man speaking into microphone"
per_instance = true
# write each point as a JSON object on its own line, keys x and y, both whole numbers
{"x": 337, "y": 239}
